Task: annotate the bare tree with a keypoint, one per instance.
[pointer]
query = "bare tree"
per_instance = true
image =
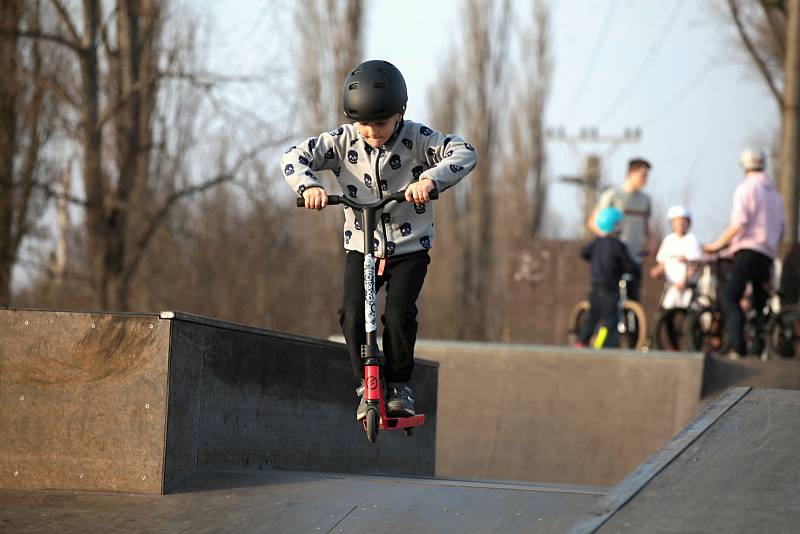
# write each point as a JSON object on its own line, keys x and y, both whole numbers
{"x": 524, "y": 185}
{"x": 468, "y": 275}
{"x": 122, "y": 72}
{"x": 526, "y": 176}
{"x": 330, "y": 40}
{"x": 26, "y": 125}
{"x": 11, "y": 14}
{"x": 761, "y": 27}
{"x": 769, "y": 31}
{"x": 486, "y": 50}
{"x": 330, "y": 37}
{"x": 446, "y": 269}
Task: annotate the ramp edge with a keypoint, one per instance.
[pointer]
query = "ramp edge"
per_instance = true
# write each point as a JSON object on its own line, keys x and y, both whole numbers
{"x": 623, "y": 492}
{"x": 248, "y": 329}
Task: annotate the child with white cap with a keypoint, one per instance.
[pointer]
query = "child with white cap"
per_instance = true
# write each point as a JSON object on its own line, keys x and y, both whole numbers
{"x": 673, "y": 257}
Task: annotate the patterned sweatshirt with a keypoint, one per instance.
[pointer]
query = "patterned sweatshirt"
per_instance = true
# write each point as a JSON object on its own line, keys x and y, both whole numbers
{"x": 367, "y": 174}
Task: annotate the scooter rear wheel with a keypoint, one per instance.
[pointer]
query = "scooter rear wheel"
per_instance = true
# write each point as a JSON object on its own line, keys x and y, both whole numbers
{"x": 409, "y": 431}
{"x": 372, "y": 424}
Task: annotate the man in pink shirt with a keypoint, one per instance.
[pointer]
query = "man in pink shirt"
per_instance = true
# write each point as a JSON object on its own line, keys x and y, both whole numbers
{"x": 755, "y": 231}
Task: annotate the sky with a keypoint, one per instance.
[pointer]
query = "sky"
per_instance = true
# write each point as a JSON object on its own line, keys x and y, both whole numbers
{"x": 672, "y": 68}
{"x": 669, "y": 67}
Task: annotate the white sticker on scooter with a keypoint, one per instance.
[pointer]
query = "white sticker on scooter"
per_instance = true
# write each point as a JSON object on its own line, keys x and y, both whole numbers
{"x": 370, "y": 311}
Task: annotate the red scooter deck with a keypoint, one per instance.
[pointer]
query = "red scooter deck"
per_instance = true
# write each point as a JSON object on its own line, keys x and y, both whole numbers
{"x": 395, "y": 423}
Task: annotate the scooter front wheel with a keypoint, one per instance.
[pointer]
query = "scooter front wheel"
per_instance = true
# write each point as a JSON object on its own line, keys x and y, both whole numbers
{"x": 372, "y": 424}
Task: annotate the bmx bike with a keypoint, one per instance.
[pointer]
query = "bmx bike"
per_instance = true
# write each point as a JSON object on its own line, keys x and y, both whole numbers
{"x": 631, "y": 326}
{"x": 376, "y": 417}
{"x": 701, "y": 326}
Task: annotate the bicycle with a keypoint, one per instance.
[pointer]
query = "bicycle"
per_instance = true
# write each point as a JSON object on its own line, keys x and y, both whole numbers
{"x": 632, "y": 323}
{"x": 376, "y": 418}
{"x": 783, "y": 333}
{"x": 779, "y": 335}
{"x": 672, "y": 331}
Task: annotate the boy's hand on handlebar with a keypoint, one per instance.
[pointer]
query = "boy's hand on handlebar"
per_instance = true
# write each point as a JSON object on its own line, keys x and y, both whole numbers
{"x": 419, "y": 192}
{"x": 316, "y": 198}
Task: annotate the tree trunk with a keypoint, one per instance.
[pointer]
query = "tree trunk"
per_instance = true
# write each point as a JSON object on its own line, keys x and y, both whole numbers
{"x": 92, "y": 142}
{"x": 790, "y": 132}
{"x": 111, "y": 207}
{"x": 10, "y": 16}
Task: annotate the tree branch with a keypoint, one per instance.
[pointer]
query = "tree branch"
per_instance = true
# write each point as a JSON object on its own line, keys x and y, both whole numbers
{"x": 29, "y": 165}
{"x": 52, "y": 37}
{"x": 50, "y": 193}
{"x": 748, "y": 43}
{"x": 53, "y": 86}
{"x": 161, "y": 215}
{"x": 104, "y": 32}
{"x": 209, "y": 80}
{"x": 65, "y": 18}
{"x": 137, "y": 88}
{"x": 43, "y": 267}
{"x": 771, "y": 13}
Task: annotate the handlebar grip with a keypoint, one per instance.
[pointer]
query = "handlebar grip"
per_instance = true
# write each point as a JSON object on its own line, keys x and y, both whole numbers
{"x": 400, "y": 196}
{"x": 332, "y": 199}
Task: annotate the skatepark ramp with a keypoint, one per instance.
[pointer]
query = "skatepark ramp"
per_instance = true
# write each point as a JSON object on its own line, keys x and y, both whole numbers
{"x": 556, "y": 414}
{"x": 291, "y": 502}
{"x": 137, "y": 403}
{"x": 734, "y": 468}
{"x": 248, "y": 430}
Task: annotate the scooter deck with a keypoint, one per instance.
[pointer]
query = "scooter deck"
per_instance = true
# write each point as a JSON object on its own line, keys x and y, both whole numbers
{"x": 393, "y": 423}
{"x": 396, "y": 423}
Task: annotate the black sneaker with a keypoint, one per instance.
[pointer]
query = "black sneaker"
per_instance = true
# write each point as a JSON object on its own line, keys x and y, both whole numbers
{"x": 400, "y": 400}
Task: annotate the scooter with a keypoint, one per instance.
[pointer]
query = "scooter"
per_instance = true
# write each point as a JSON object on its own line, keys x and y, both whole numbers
{"x": 376, "y": 418}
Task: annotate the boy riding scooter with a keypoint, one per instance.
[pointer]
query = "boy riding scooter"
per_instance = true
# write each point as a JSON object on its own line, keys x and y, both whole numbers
{"x": 379, "y": 153}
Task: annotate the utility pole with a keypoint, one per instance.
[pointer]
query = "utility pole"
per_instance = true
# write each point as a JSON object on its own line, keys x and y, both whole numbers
{"x": 590, "y": 180}
{"x": 790, "y": 137}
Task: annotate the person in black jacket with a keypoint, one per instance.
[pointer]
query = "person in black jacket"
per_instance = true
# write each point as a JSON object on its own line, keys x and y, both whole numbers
{"x": 610, "y": 259}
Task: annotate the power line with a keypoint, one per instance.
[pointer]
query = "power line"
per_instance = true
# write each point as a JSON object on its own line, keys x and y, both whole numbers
{"x": 654, "y": 48}
{"x": 693, "y": 84}
{"x": 587, "y": 74}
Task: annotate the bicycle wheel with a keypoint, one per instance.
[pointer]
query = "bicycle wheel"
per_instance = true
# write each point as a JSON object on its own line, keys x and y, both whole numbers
{"x": 578, "y": 316}
{"x": 784, "y": 333}
{"x": 707, "y": 331}
{"x": 670, "y": 330}
{"x": 632, "y": 326}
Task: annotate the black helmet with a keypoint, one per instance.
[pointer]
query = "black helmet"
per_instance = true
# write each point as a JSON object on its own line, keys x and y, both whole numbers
{"x": 373, "y": 91}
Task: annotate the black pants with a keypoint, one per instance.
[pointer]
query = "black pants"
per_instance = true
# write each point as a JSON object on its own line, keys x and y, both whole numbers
{"x": 403, "y": 276}
{"x": 748, "y": 266}
{"x": 634, "y": 287}
{"x": 603, "y": 312}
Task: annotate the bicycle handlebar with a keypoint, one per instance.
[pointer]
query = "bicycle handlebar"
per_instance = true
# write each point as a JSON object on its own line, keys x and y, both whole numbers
{"x": 398, "y": 197}
{"x": 712, "y": 258}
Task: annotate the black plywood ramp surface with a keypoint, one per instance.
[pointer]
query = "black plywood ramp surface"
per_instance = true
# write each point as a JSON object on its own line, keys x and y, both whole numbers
{"x": 292, "y": 502}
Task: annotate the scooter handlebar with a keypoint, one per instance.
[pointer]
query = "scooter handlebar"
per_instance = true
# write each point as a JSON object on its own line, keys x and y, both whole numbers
{"x": 400, "y": 196}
